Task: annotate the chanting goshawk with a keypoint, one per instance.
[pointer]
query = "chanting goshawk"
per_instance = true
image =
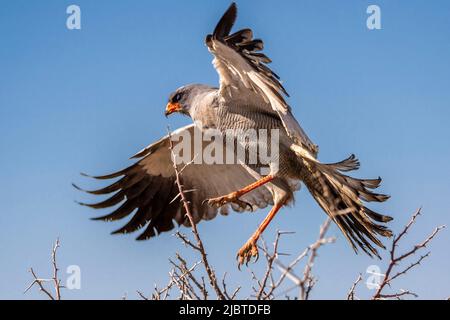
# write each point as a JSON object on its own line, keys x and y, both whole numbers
{"x": 250, "y": 96}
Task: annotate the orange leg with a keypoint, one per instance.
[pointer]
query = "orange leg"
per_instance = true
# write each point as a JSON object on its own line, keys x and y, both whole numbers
{"x": 234, "y": 196}
{"x": 250, "y": 249}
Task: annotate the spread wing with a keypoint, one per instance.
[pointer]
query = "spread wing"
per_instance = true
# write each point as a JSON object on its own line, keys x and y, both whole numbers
{"x": 244, "y": 74}
{"x": 147, "y": 192}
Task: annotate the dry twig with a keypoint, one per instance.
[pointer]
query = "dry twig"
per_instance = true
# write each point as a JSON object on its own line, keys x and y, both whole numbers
{"x": 266, "y": 290}
{"x": 56, "y": 281}
{"x": 199, "y": 244}
{"x": 396, "y": 259}
{"x": 351, "y": 293}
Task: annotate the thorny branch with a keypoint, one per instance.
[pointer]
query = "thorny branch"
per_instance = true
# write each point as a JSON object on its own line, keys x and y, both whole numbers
{"x": 225, "y": 292}
{"x": 307, "y": 281}
{"x": 56, "y": 281}
{"x": 351, "y": 294}
{"x": 270, "y": 260}
{"x": 199, "y": 246}
{"x": 269, "y": 287}
{"x": 396, "y": 259}
{"x": 190, "y": 286}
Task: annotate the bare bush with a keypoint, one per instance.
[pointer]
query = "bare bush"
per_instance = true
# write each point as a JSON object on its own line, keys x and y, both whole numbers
{"x": 268, "y": 286}
{"x": 198, "y": 280}
{"x": 394, "y": 260}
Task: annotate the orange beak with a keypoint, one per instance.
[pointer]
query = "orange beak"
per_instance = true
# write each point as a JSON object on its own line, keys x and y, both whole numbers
{"x": 172, "y": 107}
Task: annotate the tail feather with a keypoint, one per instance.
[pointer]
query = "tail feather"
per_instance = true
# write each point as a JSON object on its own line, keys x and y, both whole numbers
{"x": 349, "y": 164}
{"x": 342, "y": 196}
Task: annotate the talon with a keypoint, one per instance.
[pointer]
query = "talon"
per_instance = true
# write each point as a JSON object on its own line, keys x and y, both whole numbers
{"x": 231, "y": 198}
{"x": 216, "y": 202}
{"x": 243, "y": 204}
{"x": 247, "y": 252}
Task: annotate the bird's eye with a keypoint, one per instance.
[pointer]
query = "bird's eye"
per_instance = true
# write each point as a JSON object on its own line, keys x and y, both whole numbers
{"x": 177, "y": 97}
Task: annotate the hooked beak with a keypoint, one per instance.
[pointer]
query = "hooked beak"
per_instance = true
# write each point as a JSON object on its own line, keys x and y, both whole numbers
{"x": 172, "y": 107}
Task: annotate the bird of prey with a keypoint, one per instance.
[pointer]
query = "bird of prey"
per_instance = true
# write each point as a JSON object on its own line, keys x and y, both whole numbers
{"x": 250, "y": 96}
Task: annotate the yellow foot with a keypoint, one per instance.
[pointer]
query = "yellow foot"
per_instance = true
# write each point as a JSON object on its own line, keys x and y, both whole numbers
{"x": 247, "y": 252}
{"x": 230, "y": 198}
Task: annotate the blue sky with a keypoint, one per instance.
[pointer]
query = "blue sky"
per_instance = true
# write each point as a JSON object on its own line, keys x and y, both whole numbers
{"x": 85, "y": 100}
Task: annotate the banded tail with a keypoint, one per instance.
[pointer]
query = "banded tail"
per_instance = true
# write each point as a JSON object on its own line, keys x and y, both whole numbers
{"x": 342, "y": 197}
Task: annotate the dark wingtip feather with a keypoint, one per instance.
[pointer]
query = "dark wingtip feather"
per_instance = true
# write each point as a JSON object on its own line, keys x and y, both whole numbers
{"x": 77, "y": 187}
{"x": 84, "y": 190}
{"x": 119, "y": 231}
{"x": 98, "y": 177}
{"x": 122, "y": 230}
{"x": 81, "y": 203}
{"x": 225, "y": 24}
{"x": 242, "y": 42}
{"x": 112, "y": 175}
{"x": 144, "y": 152}
{"x": 130, "y": 227}
{"x": 146, "y": 235}
{"x": 99, "y": 219}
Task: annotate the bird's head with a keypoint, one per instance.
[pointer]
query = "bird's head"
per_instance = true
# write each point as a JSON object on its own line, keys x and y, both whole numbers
{"x": 180, "y": 101}
{"x": 187, "y": 99}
